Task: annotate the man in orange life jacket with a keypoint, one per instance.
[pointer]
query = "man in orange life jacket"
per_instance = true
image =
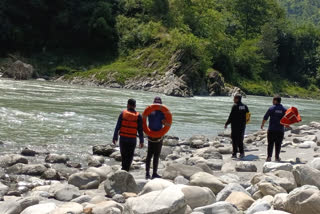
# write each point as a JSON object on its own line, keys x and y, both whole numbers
{"x": 129, "y": 123}
{"x": 275, "y": 130}
{"x": 155, "y": 119}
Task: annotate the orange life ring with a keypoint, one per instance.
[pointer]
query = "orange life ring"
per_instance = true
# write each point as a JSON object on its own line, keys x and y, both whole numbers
{"x": 167, "y": 124}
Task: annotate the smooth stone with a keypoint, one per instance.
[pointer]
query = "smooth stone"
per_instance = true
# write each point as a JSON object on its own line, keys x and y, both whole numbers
{"x": 70, "y": 207}
{"x": 271, "y": 166}
{"x": 198, "y": 196}
{"x": 227, "y": 190}
{"x": 104, "y": 150}
{"x": 155, "y": 185}
{"x": 174, "y": 170}
{"x": 243, "y": 166}
{"x": 85, "y": 180}
{"x": 120, "y": 182}
{"x": 10, "y": 160}
{"x": 218, "y": 208}
{"x": 51, "y": 174}
{"x": 204, "y": 179}
{"x": 306, "y": 175}
{"x": 241, "y": 200}
{"x": 27, "y": 169}
{"x": 45, "y": 208}
{"x": 56, "y": 158}
{"x": 259, "y": 206}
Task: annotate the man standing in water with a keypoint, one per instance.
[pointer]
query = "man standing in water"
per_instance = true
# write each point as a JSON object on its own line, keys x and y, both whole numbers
{"x": 238, "y": 120}
{"x": 275, "y": 130}
{"x": 129, "y": 123}
{"x": 156, "y": 119}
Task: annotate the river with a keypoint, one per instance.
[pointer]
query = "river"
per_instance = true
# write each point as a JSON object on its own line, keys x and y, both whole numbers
{"x": 64, "y": 117}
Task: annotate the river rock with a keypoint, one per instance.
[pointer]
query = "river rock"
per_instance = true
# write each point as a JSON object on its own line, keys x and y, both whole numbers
{"x": 27, "y": 169}
{"x": 303, "y": 200}
{"x": 104, "y": 150}
{"x": 279, "y": 201}
{"x": 56, "y": 158}
{"x": 155, "y": 185}
{"x": 181, "y": 180}
{"x": 95, "y": 161}
{"x": 241, "y": 200}
{"x": 315, "y": 163}
{"x": 225, "y": 150}
{"x": 85, "y": 180}
{"x": 272, "y": 212}
{"x": 107, "y": 207}
{"x": 64, "y": 192}
{"x": 51, "y": 174}
{"x": 165, "y": 151}
{"x": 227, "y": 190}
{"x": 208, "y": 153}
{"x": 3, "y": 189}
{"x": 198, "y": 141}
{"x": 307, "y": 145}
{"x": 285, "y": 179}
{"x": 230, "y": 178}
{"x": 174, "y": 170}
{"x": 16, "y": 206}
{"x": 19, "y": 71}
{"x": 170, "y": 201}
{"x": 70, "y": 207}
{"x": 82, "y": 199}
{"x": 204, "y": 179}
{"x": 270, "y": 166}
{"x": 267, "y": 188}
{"x": 120, "y": 182}
{"x": 259, "y": 206}
{"x": 45, "y": 208}
{"x": 116, "y": 155}
{"x": 218, "y": 208}
{"x": 10, "y": 160}
{"x": 305, "y": 175}
{"x": 198, "y": 196}
{"x": 28, "y": 152}
{"x": 102, "y": 171}
{"x": 243, "y": 166}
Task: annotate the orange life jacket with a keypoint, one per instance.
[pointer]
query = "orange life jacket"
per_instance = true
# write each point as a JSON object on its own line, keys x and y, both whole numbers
{"x": 292, "y": 116}
{"x": 129, "y": 124}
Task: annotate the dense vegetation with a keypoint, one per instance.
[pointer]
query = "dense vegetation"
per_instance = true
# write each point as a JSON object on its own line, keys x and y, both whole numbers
{"x": 263, "y": 46}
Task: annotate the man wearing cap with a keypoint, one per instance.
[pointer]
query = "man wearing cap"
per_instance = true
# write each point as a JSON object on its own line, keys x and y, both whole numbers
{"x": 155, "y": 119}
{"x": 275, "y": 130}
{"x": 237, "y": 119}
{"x": 128, "y": 125}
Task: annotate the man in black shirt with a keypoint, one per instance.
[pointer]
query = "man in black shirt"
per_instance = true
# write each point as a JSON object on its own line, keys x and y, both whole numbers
{"x": 238, "y": 120}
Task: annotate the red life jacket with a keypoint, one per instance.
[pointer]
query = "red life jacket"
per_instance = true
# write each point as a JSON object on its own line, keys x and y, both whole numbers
{"x": 292, "y": 116}
{"x": 129, "y": 124}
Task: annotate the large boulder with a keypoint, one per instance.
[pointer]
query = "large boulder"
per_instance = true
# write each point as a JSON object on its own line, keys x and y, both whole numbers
{"x": 168, "y": 201}
{"x": 19, "y": 71}
{"x": 271, "y": 166}
{"x": 27, "y": 169}
{"x": 227, "y": 190}
{"x": 198, "y": 196}
{"x": 56, "y": 158}
{"x": 105, "y": 150}
{"x": 241, "y": 200}
{"x": 279, "y": 201}
{"x": 64, "y": 192}
{"x": 45, "y": 208}
{"x": 176, "y": 169}
{"x": 204, "y": 179}
{"x": 155, "y": 185}
{"x": 218, "y": 208}
{"x": 306, "y": 175}
{"x": 70, "y": 207}
{"x": 244, "y": 166}
{"x": 268, "y": 188}
{"x": 120, "y": 182}
{"x": 85, "y": 180}
{"x": 303, "y": 200}
{"x": 315, "y": 163}
{"x": 10, "y": 160}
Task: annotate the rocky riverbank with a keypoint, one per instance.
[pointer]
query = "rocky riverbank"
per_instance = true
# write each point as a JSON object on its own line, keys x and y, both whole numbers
{"x": 198, "y": 177}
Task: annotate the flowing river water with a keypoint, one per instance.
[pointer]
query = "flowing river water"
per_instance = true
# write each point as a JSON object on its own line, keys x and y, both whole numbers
{"x": 71, "y": 118}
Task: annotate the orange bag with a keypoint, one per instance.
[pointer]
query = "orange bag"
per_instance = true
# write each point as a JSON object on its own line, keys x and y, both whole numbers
{"x": 292, "y": 116}
{"x": 167, "y": 124}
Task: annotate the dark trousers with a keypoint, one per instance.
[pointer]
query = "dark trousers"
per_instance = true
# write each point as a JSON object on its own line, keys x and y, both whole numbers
{"x": 237, "y": 136}
{"x": 274, "y": 138}
{"x": 127, "y": 148}
{"x": 154, "y": 150}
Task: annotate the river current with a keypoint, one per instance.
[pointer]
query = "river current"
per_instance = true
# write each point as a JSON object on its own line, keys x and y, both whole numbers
{"x": 71, "y": 118}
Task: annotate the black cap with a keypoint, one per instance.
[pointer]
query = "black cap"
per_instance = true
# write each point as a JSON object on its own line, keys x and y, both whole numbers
{"x": 277, "y": 98}
{"x": 132, "y": 102}
{"x": 238, "y": 96}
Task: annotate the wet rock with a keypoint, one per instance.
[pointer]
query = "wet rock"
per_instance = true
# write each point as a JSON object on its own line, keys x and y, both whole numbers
{"x": 28, "y": 152}
{"x": 10, "y": 160}
{"x": 204, "y": 179}
{"x": 198, "y": 141}
{"x": 246, "y": 167}
{"x": 95, "y": 161}
{"x": 305, "y": 175}
{"x": 104, "y": 150}
{"x": 56, "y": 158}
{"x": 241, "y": 200}
{"x": 85, "y": 180}
{"x": 174, "y": 170}
{"x": 30, "y": 169}
{"x": 270, "y": 166}
{"x": 227, "y": 190}
{"x": 45, "y": 208}
{"x": 155, "y": 185}
{"x": 259, "y": 206}
{"x": 70, "y": 207}
{"x": 116, "y": 155}
{"x": 51, "y": 174}
{"x": 303, "y": 200}
{"x": 19, "y": 71}
{"x": 171, "y": 142}
{"x": 120, "y": 182}
{"x": 170, "y": 200}
{"x": 218, "y": 208}
{"x": 198, "y": 196}
{"x": 73, "y": 165}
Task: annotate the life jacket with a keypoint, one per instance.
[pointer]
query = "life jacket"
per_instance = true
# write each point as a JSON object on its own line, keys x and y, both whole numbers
{"x": 129, "y": 124}
{"x": 292, "y": 116}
